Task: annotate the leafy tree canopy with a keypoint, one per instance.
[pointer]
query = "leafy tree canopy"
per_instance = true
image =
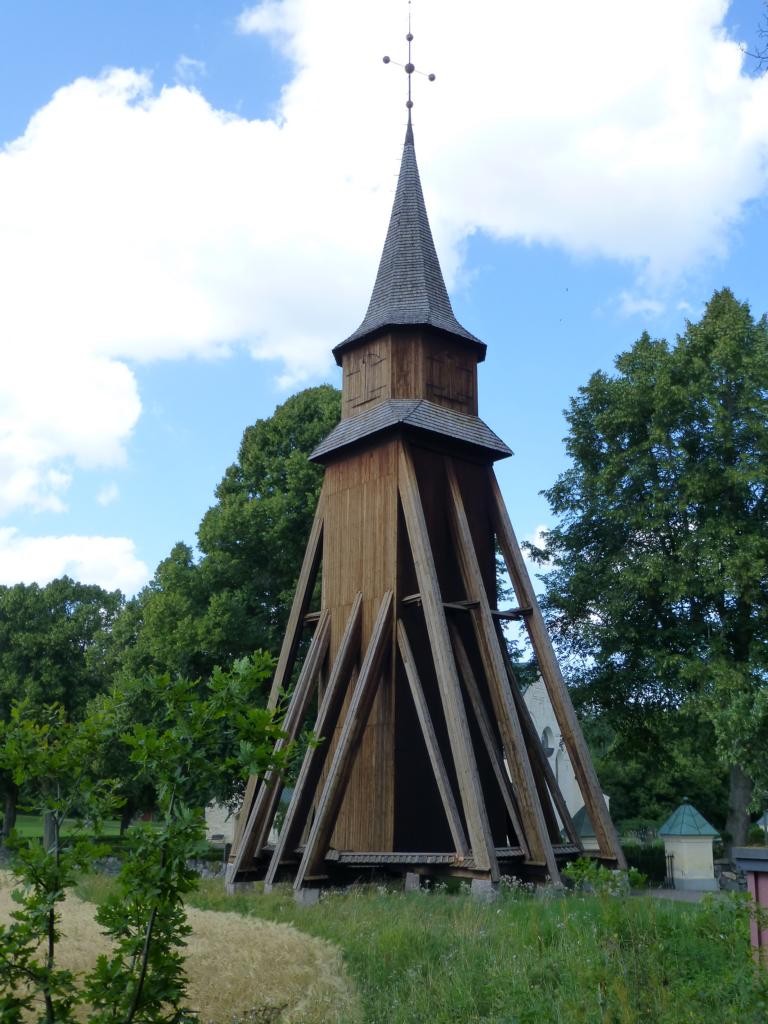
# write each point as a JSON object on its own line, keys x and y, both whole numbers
{"x": 53, "y": 648}
{"x": 195, "y": 615}
{"x": 186, "y": 741}
{"x": 648, "y": 771}
{"x": 659, "y": 583}
{"x": 52, "y": 642}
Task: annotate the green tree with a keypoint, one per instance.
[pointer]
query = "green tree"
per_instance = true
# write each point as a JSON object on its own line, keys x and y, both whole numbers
{"x": 52, "y": 758}
{"x": 136, "y": 704}
{"x": 235, "y": 599}
{"x": 761, "y": 53}
{"x": 161, "y": 629}
{"x": 667, "y": 756}
{"x": 659, "y": 585}
{"x": 195, "y": 740}
{"x": 53, "y": 649}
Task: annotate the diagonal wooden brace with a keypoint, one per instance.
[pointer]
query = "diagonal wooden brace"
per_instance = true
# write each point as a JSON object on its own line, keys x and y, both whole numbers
{"x": 573, "y": 737}
{"x": 355, "y": 719}
{"x": 293, "y": 630}
{"x": 430, "y": 739}
{"x": 254, "y": 835}
{"x": 470, "y": 788}
{"x": 526, "y": 792}
{"x": 315, "y": 757}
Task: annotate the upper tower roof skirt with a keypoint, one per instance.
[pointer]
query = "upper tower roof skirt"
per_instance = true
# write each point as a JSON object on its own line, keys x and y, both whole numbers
{"x": 409, "y": 288}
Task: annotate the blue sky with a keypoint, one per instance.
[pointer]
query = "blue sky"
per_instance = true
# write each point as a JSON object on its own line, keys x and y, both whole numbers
{"x": 193, "y": 198}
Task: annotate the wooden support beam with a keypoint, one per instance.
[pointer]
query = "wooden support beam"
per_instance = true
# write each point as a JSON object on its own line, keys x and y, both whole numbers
{"x": 430, "y": 740}
{"x": 356, "y": 716}
{"x": 526, "y": 792}
{"x": 293, "y": 630}
{"x": 515, "y": 614}
{"x": 301, "y": 599}
{"x": 315, "y": 757}
{"x": 470, "y": 788}
{"x": 268, "y": 797}
{"x": 310, "y": 670}
{"x": 493, "y": 748}
{"x": 557, "y": 690}
{"x": 256, "y": 831}
{"x": 534, "y": 743}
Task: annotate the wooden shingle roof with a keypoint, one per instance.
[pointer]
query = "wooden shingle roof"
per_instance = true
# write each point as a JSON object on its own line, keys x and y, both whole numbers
{"x": 417, "y": 414}
{"x": 409, "y": 287}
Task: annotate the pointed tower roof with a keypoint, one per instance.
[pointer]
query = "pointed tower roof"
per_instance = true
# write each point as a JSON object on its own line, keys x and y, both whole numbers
{"x": 686, "y": 821}
{"x": 409, "y": 288}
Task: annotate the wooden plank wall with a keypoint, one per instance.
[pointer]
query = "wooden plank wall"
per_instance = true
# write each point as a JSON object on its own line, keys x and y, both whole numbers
{"x": 360, "y": 554}
{"x": 409, "y": 364}
{"x": 367, "y": 376}
{"x": 437, "y": 763}
{"x": 392, "y": 801}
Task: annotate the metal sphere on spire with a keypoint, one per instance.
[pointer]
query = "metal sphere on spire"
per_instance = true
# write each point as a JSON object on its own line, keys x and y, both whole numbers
{"x": 409, "y": 67}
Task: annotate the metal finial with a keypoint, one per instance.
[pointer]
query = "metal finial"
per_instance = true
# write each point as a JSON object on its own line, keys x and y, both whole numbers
{"x": 410, "y": 67}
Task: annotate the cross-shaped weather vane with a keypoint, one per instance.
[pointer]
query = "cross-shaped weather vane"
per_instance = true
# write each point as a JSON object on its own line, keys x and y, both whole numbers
{"x": 409, "y": 68}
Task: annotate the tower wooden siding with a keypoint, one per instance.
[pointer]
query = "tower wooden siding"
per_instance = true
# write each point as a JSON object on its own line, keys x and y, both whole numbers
{"x": 409, "y": 364}
{"x": 428, "y": 754}
{"x": 360, "y": 555}
{"x": 365, "y": 549}
{"x": 391, "y": 791}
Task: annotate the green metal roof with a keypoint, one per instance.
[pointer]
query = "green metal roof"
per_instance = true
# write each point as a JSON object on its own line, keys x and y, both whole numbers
{"x": 686, "y": 821}
{"x": 583, "y": 824}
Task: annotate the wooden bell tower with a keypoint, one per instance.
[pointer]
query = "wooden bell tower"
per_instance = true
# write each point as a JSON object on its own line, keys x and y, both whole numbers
{"x": 429, "y": 760}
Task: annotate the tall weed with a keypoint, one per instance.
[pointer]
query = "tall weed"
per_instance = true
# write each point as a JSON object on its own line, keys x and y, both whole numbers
{"x": 575, "y": 959}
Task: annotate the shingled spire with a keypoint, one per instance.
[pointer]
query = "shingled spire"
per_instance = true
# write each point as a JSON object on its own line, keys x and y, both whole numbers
{"x": 429, "y": 761}
{"x": 409, "y": 288}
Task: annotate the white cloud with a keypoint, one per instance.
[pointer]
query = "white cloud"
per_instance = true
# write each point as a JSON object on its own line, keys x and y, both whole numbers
{"x": 110, "y": 562}
{"x": 639, "y": 305}
{"x": 108, "y": 494}
{"x": 30, "y": 485}
{"x": 56, "y": 408}
{"x": 139, "y": 224}
{"x": 189, "y": 69}
{"x": 628, "y": 131}
{"x": 539, "y": 540}
{"x": 281, "y": 21}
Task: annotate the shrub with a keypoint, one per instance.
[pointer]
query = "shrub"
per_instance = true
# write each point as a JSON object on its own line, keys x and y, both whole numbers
{"x": 649, "y": 858}
{"x": 756, "y": 836}
{"x": 588, "y": 875}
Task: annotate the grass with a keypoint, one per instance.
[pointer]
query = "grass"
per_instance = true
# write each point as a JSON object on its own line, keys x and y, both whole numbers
{"x": 30, "y": 826}
{"x": 446, "y": 959}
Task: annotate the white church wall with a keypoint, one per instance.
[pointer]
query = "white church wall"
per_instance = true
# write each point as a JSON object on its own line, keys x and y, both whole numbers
{"x": 219, "y": 824}
{"x": 540, "y": 707}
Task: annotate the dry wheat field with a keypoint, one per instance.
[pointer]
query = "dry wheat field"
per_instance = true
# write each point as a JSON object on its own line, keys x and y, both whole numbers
{"x": 240, "y": 969}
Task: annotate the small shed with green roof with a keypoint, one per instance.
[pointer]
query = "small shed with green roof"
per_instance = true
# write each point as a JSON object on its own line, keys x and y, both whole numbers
{"x": 688, "y": 839}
